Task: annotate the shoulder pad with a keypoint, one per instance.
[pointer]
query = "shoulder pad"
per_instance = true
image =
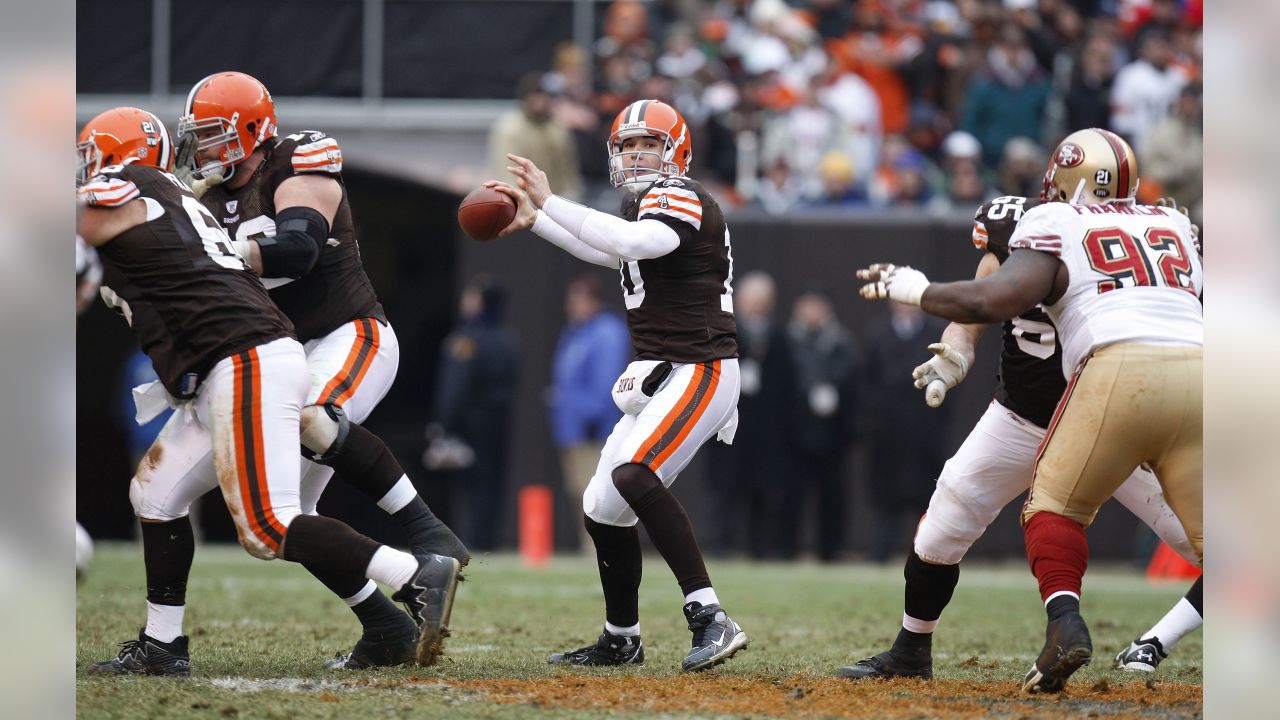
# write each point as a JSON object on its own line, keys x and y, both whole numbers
{"x": 675, "y": 201}
{"x": 108, "y": 189}
{"x": 313, "y": 151}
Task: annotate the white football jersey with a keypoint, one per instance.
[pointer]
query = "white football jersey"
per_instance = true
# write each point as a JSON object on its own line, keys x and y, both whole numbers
{"x": 1135, "y": 275}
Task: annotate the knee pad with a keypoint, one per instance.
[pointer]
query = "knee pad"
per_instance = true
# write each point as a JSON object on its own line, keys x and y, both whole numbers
{"x": 147, "y": 508}
{"x": 602, "y": 503}
{"x": 949, "y": 528}
{"x": 324, "y": 432}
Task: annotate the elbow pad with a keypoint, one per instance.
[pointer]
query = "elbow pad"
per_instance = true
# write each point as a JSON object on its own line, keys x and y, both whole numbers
{"x": 295, "y": 248}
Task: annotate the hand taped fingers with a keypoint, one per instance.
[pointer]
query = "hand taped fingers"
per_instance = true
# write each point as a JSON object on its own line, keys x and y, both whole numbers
{"x": 878, "y": 271}
{"x": 874, "y": 291}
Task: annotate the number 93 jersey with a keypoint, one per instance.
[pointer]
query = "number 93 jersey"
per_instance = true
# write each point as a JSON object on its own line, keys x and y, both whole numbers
{"x": 680, "y": 305}
{"x": 177, "y": 281}
{"x": 1030, "y": 380}
{"x": 1135, "y": 275}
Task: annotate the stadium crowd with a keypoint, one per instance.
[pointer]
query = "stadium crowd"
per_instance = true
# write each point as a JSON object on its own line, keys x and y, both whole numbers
{"x": 927, "y": 104}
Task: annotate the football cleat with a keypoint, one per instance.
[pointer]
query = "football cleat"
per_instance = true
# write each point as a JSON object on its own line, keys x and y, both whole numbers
{"x": 609, "y": 650}
{"x": 1142, "y": 655}
{"x": 1067, "y": 648}
{"x": 393, "y": 648}
{"x": 428, "y": 597}
{"x": 147, "y": 656}
{"x": 889, "y": 664}
{"x": 716, "y": 637}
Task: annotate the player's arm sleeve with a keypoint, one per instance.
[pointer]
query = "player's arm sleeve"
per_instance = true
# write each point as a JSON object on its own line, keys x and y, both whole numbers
{"x": 1041, "y": 229}
{"x": 644, "y": 239}
{"x": 549, "y": 230}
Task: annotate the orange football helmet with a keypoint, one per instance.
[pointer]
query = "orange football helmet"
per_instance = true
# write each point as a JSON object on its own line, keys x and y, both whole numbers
{"x": 122, "y": 135}
{"x": 228, "y": 115}
{"x": 1090, "y": 167}
{"x": 652, "y": 118}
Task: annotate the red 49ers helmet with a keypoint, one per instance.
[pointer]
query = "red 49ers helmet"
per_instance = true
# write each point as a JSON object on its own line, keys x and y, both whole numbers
{"x": 649, "y": 118}
{"x": 230, "y": 114}
{"x": 122, "y": 135}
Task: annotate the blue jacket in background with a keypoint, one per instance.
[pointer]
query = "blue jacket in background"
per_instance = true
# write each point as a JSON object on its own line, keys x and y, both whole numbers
{"x": 589, "y": 358}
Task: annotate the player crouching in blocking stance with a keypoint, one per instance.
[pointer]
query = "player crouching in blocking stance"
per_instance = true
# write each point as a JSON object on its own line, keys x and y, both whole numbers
{"x": 994, "y": 464}
{"x": 1121, "y": 283}
{"x": 223, "y": 348}
{"x": 672, "y": 249}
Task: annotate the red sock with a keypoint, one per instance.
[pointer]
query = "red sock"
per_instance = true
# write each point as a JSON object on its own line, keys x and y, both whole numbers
{"x": 1057, "y": 551}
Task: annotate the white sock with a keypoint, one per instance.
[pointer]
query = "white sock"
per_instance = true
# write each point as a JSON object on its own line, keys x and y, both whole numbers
{"x": 391, "y": 567}
{"x": 164, "y": 622}
{"x": 1060, "y": 592}
{"x": 398, "y": 496}
{"x": 632, "y": 631}
{"x": 704, "y": 597}
{"x": 916, "y": 625}
{"x": 1179, "y": 621}
{"x": 363, "y": 594}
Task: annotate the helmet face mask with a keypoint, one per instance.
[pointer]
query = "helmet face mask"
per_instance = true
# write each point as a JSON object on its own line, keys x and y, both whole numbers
{"x": 217, "y": 146}
{"x": 88, "y": 160}
{"x": 1091, "y": 167}
{"x": 636, "y": 168}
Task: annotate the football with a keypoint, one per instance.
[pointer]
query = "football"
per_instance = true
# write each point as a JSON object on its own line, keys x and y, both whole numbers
{"x": 484, "y": 212}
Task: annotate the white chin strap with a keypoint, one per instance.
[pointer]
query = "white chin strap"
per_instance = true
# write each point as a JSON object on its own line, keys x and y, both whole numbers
{"x": 640, "y": 182}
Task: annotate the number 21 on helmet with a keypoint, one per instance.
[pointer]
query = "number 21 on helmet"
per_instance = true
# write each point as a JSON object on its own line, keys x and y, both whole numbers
{"x": 122, "y": 135}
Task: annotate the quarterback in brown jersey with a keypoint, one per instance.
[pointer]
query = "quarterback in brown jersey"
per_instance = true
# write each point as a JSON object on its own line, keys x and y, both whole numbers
{"x": 671, "y": 248}
{"x": 229, "y": 363}
{"x": 283, "y": 203}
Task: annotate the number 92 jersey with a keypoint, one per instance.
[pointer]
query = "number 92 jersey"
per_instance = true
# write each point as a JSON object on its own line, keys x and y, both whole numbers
{"x": 1030, "y": 380}
{"x": 177, "y": 281}
{"x": 1134, "y": 275}
{"x": 680, "y": 305}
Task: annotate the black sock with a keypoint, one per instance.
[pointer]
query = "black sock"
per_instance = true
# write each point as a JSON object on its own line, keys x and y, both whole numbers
{"x": 168, "y": 549}
{"x": 427, "y": 533}
{"x": 1195, "y": 595}
{"x": 928, "y": 588}
{"x": 380, "y": 617}
{"x": 618, "y": 557}
{"x": 913, "y": 642}
{"x": 329, "y": 549}
{"x": 666, "y": 522}
{"x": 1062, "y": 605}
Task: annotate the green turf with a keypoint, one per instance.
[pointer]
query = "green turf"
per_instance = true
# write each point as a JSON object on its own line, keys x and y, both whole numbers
{"x": 270, "y": 622}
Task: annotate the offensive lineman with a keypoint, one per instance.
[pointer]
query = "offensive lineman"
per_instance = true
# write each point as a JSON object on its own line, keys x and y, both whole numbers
{"x": 1122, "y": 284}
{"x": 227, "y": 353}
{"x": 672, "y": 249}
{"x": 283, "y": 203}
{"x": 994, "y": 464}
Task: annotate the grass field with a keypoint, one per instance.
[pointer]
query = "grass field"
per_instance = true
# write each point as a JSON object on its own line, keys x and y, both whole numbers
{"x": 260, "y": 631}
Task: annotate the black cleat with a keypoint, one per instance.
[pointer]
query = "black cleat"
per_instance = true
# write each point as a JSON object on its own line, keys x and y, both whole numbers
{"x": 389, "y": 649}
{"x": 1067, "y": 648}
{"x": 609, "y": 650}
{"x": 889, "y": 664}
{"x": 428, "y": 597}
{"x": 716, "y": 637}
{"x": 147, "y": 656}
{"x": 1142, "y": 655}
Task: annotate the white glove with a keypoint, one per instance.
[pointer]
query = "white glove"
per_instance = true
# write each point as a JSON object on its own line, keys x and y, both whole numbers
{"x": 904, "y": 284}
{"x": 946, "y": 369}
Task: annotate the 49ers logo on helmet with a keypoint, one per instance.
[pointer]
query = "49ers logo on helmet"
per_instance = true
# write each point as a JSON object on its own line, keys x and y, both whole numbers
{"x": 1070, "y": 155}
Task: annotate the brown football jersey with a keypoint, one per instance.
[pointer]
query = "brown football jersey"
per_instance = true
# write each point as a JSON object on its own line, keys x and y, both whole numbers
{"x": 680, "y": 305}
{"x": 336, "y": 291}
{"x": 177, "y": 281}
{"x": 1030, "y": 381}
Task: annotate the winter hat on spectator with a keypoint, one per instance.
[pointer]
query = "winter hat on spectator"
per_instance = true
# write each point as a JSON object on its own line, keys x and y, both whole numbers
{"x": 1019, "y": 4}
{"x": 960, "y": 144}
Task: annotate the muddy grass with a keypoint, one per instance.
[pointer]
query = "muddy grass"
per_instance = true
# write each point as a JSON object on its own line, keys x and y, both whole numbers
{"x": 799, "y": 696}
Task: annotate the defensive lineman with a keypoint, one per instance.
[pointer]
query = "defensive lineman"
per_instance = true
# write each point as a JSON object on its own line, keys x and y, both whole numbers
{"x": 672, "y": 249}
{"x": 1122, "y": 283}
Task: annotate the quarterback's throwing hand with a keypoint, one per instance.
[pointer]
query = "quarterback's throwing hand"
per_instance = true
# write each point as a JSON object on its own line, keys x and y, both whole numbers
{"x": 942, "y": 372}
{"x": 530, "y": 179}
{"x": 885, "y": 280}
{"x": 525, "y": 214}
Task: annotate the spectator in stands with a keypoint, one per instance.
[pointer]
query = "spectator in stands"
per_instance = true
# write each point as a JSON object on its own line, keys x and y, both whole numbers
{"x": 877, "y": 48}
{"x": 840, "y": 186}
{"x": 1175, "y": 152}
{"x": 1145, "y": 89}
{"x": 475, "y": 395}
{"x": 571, "y": 106}
{"x": 1009, "y": 98}
{"x": 530, "y": 131}
{"x": 1022, "y": 167}
{"x": 778, "y": 192}
{"x": 802, "y": 136}
{"x": 593, "y": 350}
{"x": 824, "y": 402}
{"x": 857, "y": 105}
{"x": 747, "y": 477}
{"x": 903, "y": 434}
{"x": 1088, "y": 97}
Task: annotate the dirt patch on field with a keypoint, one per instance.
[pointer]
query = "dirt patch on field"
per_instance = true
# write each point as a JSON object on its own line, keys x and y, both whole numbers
{"x": 795, "y": 697}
